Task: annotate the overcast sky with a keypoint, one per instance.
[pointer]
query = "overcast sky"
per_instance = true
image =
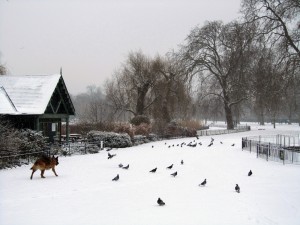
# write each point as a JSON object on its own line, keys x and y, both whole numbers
{"x": 90, "y": 39}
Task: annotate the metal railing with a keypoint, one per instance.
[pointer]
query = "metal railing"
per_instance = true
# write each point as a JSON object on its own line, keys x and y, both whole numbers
{"x": 272, "y": 151}
{"x": 225, "y": 131}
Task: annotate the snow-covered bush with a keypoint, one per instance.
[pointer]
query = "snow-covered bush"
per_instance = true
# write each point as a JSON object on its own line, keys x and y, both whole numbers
{"x": 110, "y": 139}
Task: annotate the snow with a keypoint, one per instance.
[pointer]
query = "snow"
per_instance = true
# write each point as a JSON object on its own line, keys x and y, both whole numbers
{"x": 84, "y": 192}
{"x": 30, "y": 94}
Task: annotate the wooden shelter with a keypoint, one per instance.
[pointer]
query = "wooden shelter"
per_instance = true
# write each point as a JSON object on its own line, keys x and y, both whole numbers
{"x": 37, "y": 102}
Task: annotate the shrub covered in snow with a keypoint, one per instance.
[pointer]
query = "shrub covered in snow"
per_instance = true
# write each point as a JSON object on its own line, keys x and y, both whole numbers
{"x": 110, "y": 139}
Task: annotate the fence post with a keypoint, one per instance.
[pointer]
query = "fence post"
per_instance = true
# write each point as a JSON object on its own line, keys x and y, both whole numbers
{"x": 257, "y": 148}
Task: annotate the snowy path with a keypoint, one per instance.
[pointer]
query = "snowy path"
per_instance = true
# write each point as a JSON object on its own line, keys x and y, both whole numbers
{"x": 83, "y": 193}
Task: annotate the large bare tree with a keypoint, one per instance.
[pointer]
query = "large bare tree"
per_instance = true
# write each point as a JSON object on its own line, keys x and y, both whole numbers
{"x": 130, "y": 87}
{"x": 219, "y": 55}
{"x": 278, "y": 19}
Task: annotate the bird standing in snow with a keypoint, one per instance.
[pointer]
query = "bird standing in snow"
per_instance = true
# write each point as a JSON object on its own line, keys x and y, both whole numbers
{"x": 170, "y": 167}
{"x": 203, "y": 183}
{"x": 249, "y": 173}
{"x": 126, "y": 167}
{"x": 153, "y": 170}
{"x": 237, "y": 188}
{"x": 174, "y": 174}
{"x": 160, "y": 202}
{"x": 116, "y": 178}
{"x": 181, "y": 162}
{"x": 111, "y": 156}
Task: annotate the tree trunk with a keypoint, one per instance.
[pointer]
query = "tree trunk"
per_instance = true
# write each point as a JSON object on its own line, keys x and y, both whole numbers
{"x": 228, "y": 114}
{"x": 140, "y": 104}
{"x": 262, "y": 117}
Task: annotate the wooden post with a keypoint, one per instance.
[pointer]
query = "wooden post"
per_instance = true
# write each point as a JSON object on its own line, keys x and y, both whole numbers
{"x": 67, "y": 130}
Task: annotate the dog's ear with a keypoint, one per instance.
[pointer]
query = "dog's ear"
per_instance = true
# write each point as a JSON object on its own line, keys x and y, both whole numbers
{"x": 56, "y": 157}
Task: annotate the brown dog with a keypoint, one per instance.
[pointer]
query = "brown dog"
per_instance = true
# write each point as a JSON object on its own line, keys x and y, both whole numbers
{"x": 45, "y": 163}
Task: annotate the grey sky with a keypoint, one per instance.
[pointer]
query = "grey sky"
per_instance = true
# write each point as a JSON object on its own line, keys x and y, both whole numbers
{"x": 90, "y": 39}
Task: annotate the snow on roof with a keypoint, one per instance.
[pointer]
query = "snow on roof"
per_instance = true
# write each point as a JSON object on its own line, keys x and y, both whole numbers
{"x": 6, "y": 106}
{"x": 28, "y": 94}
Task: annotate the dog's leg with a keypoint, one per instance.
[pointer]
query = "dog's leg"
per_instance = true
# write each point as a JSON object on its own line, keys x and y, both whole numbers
{"x": 53, "y": 169}
{"x": 42, "y": 174}
{"x": 33, "y": 170}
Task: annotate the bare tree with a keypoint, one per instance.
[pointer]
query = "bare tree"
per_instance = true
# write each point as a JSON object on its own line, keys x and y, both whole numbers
{"x": 278, "y": 19}
{"x": 130, "y": 87}
{"x": 171, "y": 90}
{"x": 219, "y": 54}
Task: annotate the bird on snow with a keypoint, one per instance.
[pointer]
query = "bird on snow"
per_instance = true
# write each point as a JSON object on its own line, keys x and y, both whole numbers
{"x": 152, "y": 146}
{"x": 116, "y": 178}
{"x": 111, "y": 155}
{"x": 237, "y": 188}
{"x": 249, "y": 173}
{"x": 221, "y": 142}
{"x": 193, "y": 145}
{"x": 181, "y": 162}
{"x": 170, "y": 167}
{"x": 120, "y": 165}
{"x": 211, "y": 143}
{"x": 232, "y": 145}
{"x": 126, "y": 167}
{"x": 174, "y": 174}
{"x": 203, "y": 182}
{"x": 200, "y": 143}
{"x": 160, "y": 202}
{"x": 153, "y": 170}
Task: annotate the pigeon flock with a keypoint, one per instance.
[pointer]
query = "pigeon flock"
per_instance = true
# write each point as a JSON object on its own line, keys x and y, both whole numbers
{"x": 192, "y": 144}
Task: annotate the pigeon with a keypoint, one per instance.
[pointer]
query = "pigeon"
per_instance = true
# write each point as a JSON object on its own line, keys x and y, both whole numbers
{"x": 116, "y": 178}
{"x": 232, "y": 145}
{"x": 126, "y": 167}
{"x": 250, "y": 173}
{"x": 170, "y": 167}
{"x": 203, "y": 183}
{"x": 174, "y": 174}
{"x": 181, "y": 162}
{"x": 160, "y": 202}
{"x": 210, "y": 144}
{"x": 153, "y": 170}
{"x": 200, "y": 143}
{"x": 120, "y": 165}
{"x": 152, "y": 146}
{"x": 111, "y": 155}
{"x": 221, "y": 142}
{"x": 237, "y": 188}
{"x": 193, "y": 145}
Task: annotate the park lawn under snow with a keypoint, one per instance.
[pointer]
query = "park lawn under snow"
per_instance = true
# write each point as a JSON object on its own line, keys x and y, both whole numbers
{"x": 84, "y": 193}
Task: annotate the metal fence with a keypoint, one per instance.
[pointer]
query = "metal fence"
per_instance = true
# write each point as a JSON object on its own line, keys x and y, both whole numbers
{"x": 272, "y": 151}
{"x": 225, "y": 131}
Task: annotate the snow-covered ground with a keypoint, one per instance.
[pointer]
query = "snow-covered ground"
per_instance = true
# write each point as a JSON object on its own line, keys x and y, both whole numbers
{"x": 84, "y": 193}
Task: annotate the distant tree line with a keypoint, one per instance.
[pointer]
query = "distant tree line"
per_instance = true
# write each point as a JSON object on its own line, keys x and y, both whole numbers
{"x": 247, "y": 69}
